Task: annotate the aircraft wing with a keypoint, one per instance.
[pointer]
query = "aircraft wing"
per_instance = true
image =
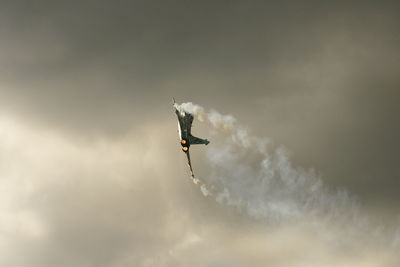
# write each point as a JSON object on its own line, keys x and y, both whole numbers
{"x": 190, "y": 164}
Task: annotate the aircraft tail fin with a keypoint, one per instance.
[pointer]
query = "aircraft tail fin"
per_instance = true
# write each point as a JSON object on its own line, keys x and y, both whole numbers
{"x": 193, "y": 140}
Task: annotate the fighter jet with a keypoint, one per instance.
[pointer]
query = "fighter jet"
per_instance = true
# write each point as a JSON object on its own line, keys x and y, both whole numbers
{"x": 185, "y": 120}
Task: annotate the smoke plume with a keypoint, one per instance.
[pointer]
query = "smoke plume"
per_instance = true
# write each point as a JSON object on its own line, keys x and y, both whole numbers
{"x": 257, "y": 178}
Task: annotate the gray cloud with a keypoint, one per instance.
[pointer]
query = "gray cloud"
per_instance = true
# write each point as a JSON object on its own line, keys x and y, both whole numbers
{"x": 88, "y": 88}
{"x": 108, "y": 203}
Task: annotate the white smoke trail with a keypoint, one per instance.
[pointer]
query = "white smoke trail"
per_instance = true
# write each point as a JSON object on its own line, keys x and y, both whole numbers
{"x": 264, "y": 184}
{"x": 248, "y": 174}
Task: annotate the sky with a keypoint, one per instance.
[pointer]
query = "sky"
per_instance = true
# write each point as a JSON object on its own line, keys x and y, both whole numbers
{"x": 91, "y": 172}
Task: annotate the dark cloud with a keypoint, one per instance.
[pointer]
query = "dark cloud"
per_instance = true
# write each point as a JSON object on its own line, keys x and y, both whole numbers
{"x": 319, "y": 77}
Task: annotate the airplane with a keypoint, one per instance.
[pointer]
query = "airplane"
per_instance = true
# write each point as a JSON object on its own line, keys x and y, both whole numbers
{"x": 185, "y": 120}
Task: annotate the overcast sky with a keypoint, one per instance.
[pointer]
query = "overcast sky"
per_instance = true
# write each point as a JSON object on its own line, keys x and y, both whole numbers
{"x": 91, "y": 173}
